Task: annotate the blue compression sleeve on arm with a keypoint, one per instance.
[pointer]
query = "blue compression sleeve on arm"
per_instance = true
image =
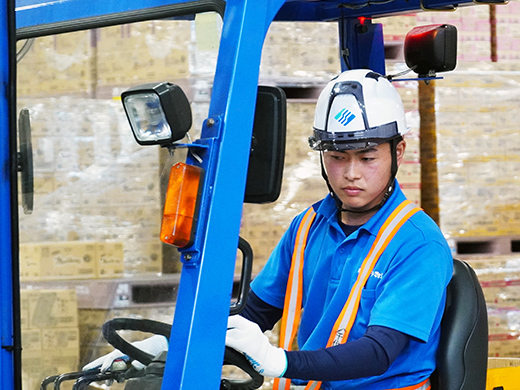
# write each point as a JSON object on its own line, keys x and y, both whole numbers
{"x": 370, "y": 355}
{"x": 260, "y": 312}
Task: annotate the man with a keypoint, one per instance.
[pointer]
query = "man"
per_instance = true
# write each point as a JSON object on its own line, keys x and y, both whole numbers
{"x": 362, "y": 274}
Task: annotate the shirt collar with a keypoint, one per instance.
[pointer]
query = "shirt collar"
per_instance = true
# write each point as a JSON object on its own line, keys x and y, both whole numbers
{"x": 328, "y": 209}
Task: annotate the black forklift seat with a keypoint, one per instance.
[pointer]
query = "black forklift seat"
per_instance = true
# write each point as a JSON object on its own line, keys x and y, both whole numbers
{"x": 463, "y": 352}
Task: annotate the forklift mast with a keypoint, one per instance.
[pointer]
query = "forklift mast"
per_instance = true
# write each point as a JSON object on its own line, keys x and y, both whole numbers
{"x": 202, "y": 307}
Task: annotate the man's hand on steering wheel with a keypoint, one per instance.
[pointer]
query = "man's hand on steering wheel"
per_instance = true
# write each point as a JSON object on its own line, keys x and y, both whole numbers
{"x": 245, "y": 336}
{"x": 152, "y": 345}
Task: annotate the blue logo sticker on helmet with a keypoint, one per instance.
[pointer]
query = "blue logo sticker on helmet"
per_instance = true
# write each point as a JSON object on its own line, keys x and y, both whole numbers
{"x": 344, "y": 117}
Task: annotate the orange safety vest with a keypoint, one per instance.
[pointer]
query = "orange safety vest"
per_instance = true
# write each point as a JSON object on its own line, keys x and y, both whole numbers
{"x": 345, "y": 321}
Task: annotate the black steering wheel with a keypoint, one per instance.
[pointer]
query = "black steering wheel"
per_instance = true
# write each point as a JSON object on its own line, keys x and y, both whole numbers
{"x": 231, "y": 356}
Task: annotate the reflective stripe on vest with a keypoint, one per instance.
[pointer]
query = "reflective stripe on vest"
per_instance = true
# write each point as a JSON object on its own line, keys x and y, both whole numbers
{"x": 345, "y": 321}
{"x": 293, "y": 296}
{"x": 424, "y": 385}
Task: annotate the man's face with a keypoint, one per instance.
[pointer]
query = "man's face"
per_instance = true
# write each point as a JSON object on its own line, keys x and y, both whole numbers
{"x": 360, "y": 177}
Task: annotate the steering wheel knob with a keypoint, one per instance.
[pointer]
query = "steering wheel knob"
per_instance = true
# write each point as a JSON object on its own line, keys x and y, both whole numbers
{"x": 118, "y": 365}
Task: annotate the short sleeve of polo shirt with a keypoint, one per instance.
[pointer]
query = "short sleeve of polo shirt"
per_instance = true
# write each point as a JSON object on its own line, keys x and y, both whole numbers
{"x": 411, "y": 296}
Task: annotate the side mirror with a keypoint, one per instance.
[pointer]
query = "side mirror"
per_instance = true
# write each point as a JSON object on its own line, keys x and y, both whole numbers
{"x": 25, "y": 161}
{"x": 266, "y": 160}
{"x": 431, "y": 49}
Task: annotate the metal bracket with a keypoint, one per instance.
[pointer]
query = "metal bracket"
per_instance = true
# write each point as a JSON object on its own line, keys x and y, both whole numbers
{"x": 492, "y": 2}
{"x": 445, "y": 8}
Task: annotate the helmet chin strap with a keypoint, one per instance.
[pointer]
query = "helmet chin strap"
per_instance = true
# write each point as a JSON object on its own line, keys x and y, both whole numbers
{"x": 388, "y": 190}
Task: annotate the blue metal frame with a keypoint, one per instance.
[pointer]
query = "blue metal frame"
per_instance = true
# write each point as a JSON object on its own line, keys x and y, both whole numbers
{"x": 197, "y": 342}
{"x": 364, "y": 43}
{"x": 34, "y": 20}
{"x": 326, "y": 10}
{"x": 35, "y": 12}
{"x": 204, "y": 292}
{"x": 7, "y": 331}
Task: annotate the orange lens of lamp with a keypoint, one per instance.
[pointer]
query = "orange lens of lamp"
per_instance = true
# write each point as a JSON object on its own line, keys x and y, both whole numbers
{"x": 180, "y": 206}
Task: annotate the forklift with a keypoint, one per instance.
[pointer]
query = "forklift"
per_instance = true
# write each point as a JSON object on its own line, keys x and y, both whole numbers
{"x": 206, "y": 193}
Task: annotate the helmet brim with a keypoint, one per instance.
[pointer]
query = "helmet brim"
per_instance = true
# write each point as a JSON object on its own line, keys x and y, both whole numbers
{"x": 351, "y": 140}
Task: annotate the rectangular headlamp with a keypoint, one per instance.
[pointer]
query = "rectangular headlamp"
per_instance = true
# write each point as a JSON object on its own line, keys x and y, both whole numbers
{"x": 159, "y": 114}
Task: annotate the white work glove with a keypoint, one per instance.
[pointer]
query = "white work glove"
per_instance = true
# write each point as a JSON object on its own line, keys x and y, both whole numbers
{"x": 246, "y": 337}
{"x": 153, "y": 345}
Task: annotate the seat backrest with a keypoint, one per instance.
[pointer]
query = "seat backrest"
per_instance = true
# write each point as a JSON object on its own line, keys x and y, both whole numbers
{"x": 463, "y": 350}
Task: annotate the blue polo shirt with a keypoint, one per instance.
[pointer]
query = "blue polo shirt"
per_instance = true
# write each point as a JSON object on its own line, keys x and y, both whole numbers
{"x": 406, "y": 290}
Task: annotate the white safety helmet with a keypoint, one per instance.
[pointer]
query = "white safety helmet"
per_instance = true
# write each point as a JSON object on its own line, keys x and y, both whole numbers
{"x": 358, "y": 109}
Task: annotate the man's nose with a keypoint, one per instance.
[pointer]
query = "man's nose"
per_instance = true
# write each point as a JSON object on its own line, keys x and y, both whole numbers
{"x": 352, "y": 170}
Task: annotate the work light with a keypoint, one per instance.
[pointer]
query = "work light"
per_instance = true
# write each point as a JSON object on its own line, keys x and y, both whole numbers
{"x": 159, "y": 114}
{"x": 431, "y": 49}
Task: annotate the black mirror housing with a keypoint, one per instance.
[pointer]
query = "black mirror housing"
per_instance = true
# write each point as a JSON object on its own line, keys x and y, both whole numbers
{"x": 266, "y": 158}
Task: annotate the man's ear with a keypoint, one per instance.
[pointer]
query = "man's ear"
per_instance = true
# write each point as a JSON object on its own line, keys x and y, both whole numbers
{"x": 399, "y": 151}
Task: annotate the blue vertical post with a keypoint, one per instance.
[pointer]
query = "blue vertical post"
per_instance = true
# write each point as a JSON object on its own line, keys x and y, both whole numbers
{"x": 362, "y": 44}
{"x": 197, "y": 342}
{"x": 7, "y": 379}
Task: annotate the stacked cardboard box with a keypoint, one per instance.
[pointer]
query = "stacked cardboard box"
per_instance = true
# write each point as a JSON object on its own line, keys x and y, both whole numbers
{"x": 508, "y": 31}
{"x": 499, "y": 276}
{"x": 71, "y": 260}
{"x": 479, "y": 153}
{"x": 93, "y": 183}
{"x": 56, "y": 65}
{"x": 409, "y": 173}
{"x": 82, "y": 63}
{"x": 142, "y": 52}
{"x": 290, "y": 51}
{"x": 50, "y": 335}
{"x": 476, "y": 125}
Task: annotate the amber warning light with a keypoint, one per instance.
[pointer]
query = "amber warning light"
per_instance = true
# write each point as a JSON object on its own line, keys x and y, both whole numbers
{"x": 180, "y": 206}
